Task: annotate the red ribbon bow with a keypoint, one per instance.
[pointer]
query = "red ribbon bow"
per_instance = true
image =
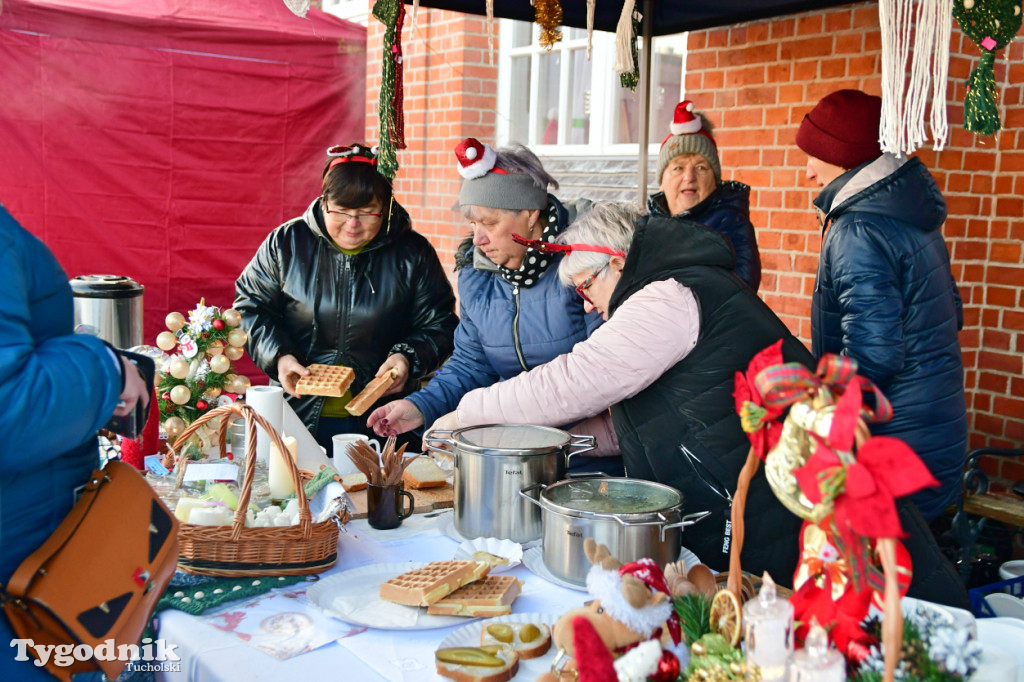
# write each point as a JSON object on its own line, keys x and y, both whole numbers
{"x": 650, "y": 574}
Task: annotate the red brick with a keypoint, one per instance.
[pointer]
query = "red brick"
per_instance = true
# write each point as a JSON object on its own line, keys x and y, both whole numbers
{"x": 1001, "y": 296}
{"x": 1000, "y": 362}
{"x": 805, "y": 48}
{"x": 996, "y": 340}
{"x": 988, "y": 424}
{"x": 849, "y": 43}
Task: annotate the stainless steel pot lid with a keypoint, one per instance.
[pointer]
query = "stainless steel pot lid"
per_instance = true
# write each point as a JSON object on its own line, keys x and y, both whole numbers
{"x": 613, "y": 496}
{"x": 511, "y": 439}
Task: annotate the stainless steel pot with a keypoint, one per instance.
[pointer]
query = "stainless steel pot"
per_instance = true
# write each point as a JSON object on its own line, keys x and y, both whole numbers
{"x": 493, "y": 463}
{"x": 110, "y": 307}
{"x": 632, "y": 517}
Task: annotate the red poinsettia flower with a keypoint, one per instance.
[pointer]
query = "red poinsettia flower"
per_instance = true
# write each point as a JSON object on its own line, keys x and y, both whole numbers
{"x": 760, "y": 422}
{"x": 842, "y": 618}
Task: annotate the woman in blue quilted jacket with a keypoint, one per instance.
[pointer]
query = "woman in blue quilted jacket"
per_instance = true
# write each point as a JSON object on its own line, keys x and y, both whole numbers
{"x": 884, "y": 294}
{"x": 513, "y": 312}
{"x": 57, "y": 389}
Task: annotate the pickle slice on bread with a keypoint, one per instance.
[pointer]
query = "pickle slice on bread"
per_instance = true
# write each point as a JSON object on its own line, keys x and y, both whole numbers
{"x": 477, "y": 664}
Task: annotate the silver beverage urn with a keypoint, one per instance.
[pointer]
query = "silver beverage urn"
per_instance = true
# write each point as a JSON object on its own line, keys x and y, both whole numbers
{"x": 110, "y": 307}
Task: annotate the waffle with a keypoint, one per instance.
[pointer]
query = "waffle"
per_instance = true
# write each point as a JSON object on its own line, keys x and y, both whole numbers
{"x": 490, "y": 596}
{"x": 329, "y": 380}
{"x": 370, "y": 393}
{"x": 426, "y": 585}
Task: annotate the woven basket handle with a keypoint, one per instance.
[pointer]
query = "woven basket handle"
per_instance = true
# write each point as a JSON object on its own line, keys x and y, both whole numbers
{"x": 252, "y": 419}
{"x": 739, "y": 504}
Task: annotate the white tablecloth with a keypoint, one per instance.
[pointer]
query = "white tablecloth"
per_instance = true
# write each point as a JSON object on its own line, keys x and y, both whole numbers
{"x": 208, "y": 654}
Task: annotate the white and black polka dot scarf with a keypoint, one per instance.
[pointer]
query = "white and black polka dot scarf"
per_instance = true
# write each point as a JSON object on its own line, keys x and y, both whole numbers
{"x": 534, "y": 262}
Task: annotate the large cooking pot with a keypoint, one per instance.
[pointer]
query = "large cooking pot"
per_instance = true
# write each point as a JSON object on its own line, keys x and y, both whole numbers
{"x": 110, "y": 307}
{"x": 632, "y": 517}
{"x": 493, "y": 463}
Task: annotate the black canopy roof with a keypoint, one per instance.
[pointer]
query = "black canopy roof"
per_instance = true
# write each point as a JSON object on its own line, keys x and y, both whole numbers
{"x": 670, "y": 16}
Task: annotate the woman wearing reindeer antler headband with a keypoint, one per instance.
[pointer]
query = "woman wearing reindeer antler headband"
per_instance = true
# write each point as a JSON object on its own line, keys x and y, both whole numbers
{"x": 514, "y": 314}
{"x": 347, "y": 283}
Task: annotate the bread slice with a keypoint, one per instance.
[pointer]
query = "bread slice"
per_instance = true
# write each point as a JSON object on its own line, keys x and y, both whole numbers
{"x": 329, "y": 380}
{"x": 464, "y": 672}
{"x": 423, "y": 473}
{"x": 484, "y": 598}
{"x": 353, "y": 482}
{"x": 431, "y": 583}
{"x": 371, "y": 393}
{"x": 512, "y": 635}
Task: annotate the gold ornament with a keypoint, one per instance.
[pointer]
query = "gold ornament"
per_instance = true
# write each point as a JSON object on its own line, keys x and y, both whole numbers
{"x": 548, "y": 15}
{"x": 234, "y": 353}
{"x": 180, "y": 395}
{"x": 237, "y": 337}
{"x": 219, "y": 364}
{"x": 173, "y": 426}
{"x": 166, "y": 340}
{"x": 179, "y": 368}
{"x": 231, "y": 317}
{"x": 242, "y": 383}
{"x": 174, "y": 321}
{"x": 212, "y": 393}
{"x": 216, "y": 348}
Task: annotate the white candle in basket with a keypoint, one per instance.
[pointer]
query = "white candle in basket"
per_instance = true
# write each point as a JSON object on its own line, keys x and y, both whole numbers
{"x": 279, "y": 475}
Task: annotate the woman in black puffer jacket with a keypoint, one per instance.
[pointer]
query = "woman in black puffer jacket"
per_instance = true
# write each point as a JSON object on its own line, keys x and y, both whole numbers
{"x": 347, "y": 283}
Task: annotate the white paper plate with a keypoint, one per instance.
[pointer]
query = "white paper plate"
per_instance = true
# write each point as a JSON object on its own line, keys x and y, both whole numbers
{"x": 353, "y": 596}
{"x": 469, "y": 636}
{"x": 533, "y": 559}
{"x": 511, "y": 551}
{"x": 1003, "y": 633}
{"x": 447, "y": 526}
{"x": 1006, "y": 605}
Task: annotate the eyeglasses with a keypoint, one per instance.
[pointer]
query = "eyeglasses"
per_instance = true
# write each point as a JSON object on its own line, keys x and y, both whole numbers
{"x": 362, "y": 218}
{"x": 582, "y": 288}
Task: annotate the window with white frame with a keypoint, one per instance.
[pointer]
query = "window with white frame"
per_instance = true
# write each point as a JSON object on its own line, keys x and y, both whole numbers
{"x": 558, "y": 102}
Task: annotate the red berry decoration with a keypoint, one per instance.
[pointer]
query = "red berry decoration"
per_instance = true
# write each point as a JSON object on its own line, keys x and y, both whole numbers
{"x": 202, "y": 405}
{"x": 218, "y": 324}
{"x": 668, "y": 668}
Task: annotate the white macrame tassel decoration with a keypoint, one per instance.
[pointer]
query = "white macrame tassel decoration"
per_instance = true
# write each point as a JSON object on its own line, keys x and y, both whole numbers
{"x": 591, "y": 4}
{"x": 902, "y": 126}
{"x": 624, "y": 40}
{"x": 490, "y": 30}
{"x": 415, "y": 13}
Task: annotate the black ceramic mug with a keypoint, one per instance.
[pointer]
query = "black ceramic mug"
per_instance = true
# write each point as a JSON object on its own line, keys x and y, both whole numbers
{"x": 384, "y": 505}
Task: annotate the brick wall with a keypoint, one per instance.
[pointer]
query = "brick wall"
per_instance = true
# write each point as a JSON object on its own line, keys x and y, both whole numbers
{"x": 756, "y": 80}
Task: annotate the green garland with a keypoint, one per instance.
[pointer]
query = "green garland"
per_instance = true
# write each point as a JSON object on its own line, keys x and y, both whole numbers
{"x": 388, "y": 12}
{"x": 632, "y": 78}
{"x": 991, "y": 24}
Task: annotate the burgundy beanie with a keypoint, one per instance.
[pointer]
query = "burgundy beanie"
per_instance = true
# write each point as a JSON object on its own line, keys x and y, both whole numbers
{"x": 842, "y": 129}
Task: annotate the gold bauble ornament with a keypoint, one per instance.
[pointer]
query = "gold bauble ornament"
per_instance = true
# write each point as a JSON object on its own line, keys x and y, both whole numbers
{"x": 234, "y": 353}
{"x": 174, "y": 321}
{"x": 180, "y": 395}
{"x": 179, "y": 368}
{"x": 216, "y": 348}
{"x": 219, "y": 364}
{"x": 231, "y": 317}
{"x": 243, "y": 383}
{"x": 173, "y": 426}
{"x": 166, "y": 340}
{"x": 212, "y": 393}
{"x": 237, "y": 337}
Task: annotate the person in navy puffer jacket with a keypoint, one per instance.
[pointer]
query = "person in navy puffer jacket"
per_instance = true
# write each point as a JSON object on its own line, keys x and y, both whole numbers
{"x": 514, "y": 314}
{"x": 690, "y": 176}
{"x": 57, "y": 388}
{"x": 884, "y": 294}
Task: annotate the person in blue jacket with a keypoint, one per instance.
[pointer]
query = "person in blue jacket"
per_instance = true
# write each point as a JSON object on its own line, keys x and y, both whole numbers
{"x": 884, "y": 293}
{"x": 690, "y": 176}
{"x": 514, "y": 314}
{"x": 57, "y": 389}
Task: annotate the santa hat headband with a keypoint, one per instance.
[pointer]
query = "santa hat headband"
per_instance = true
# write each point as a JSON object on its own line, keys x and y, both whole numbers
{"x": 484, "y": 184}
{"x": 606, "y": 586}
{"x": 356, "y": 152}
{"x": 689, "y": 133}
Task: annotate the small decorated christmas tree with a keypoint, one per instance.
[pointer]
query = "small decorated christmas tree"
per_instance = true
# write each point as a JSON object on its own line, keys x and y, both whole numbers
{"x": 197, "y": 368}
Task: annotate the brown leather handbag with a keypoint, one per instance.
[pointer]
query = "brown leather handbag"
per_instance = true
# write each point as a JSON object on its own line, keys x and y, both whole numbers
{"x": 98, "y": 576}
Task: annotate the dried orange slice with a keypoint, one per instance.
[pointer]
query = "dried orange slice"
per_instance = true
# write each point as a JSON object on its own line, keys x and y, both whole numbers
{"x": 726, "y": 616}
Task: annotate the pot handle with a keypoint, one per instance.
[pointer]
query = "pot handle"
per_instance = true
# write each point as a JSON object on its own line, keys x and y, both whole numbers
{"x": 585, "y": 443}
{"x": 441, "y": 436}
{"x": 687, "y": 520}
{"x": 525, "y": 493}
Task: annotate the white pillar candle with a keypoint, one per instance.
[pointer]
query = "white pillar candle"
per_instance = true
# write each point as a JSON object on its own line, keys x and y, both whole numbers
{"x": 768, "y": 633}
{"x": 279, "y": 475}
{"x": 268, "y": 401}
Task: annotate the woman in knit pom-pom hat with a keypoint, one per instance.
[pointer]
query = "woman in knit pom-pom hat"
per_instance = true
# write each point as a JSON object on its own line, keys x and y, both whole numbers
{"x": 690, "y": 176}
{"x": 514, "y": 313}
{"x": 884, "y": 294}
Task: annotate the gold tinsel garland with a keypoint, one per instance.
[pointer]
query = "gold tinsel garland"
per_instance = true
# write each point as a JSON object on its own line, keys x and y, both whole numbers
{"x": 548, "y": 15}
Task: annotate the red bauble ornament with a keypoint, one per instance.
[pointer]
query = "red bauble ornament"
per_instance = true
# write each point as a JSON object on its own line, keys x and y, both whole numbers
{"x": 668, "y": 668}
{"x": 218, "y": 324}
{"x": 202, "y": 405}
{"x": 166, "y": 397}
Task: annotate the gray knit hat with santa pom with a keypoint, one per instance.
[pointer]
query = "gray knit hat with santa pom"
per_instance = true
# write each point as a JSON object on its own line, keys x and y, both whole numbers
{"x": 690, "y": 133}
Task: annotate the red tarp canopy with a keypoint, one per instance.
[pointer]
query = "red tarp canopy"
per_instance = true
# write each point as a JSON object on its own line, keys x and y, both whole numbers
{"x": 163, "y": 140}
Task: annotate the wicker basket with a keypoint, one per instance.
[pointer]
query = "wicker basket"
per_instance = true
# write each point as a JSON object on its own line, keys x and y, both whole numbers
{"x": 237, "y": 551}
